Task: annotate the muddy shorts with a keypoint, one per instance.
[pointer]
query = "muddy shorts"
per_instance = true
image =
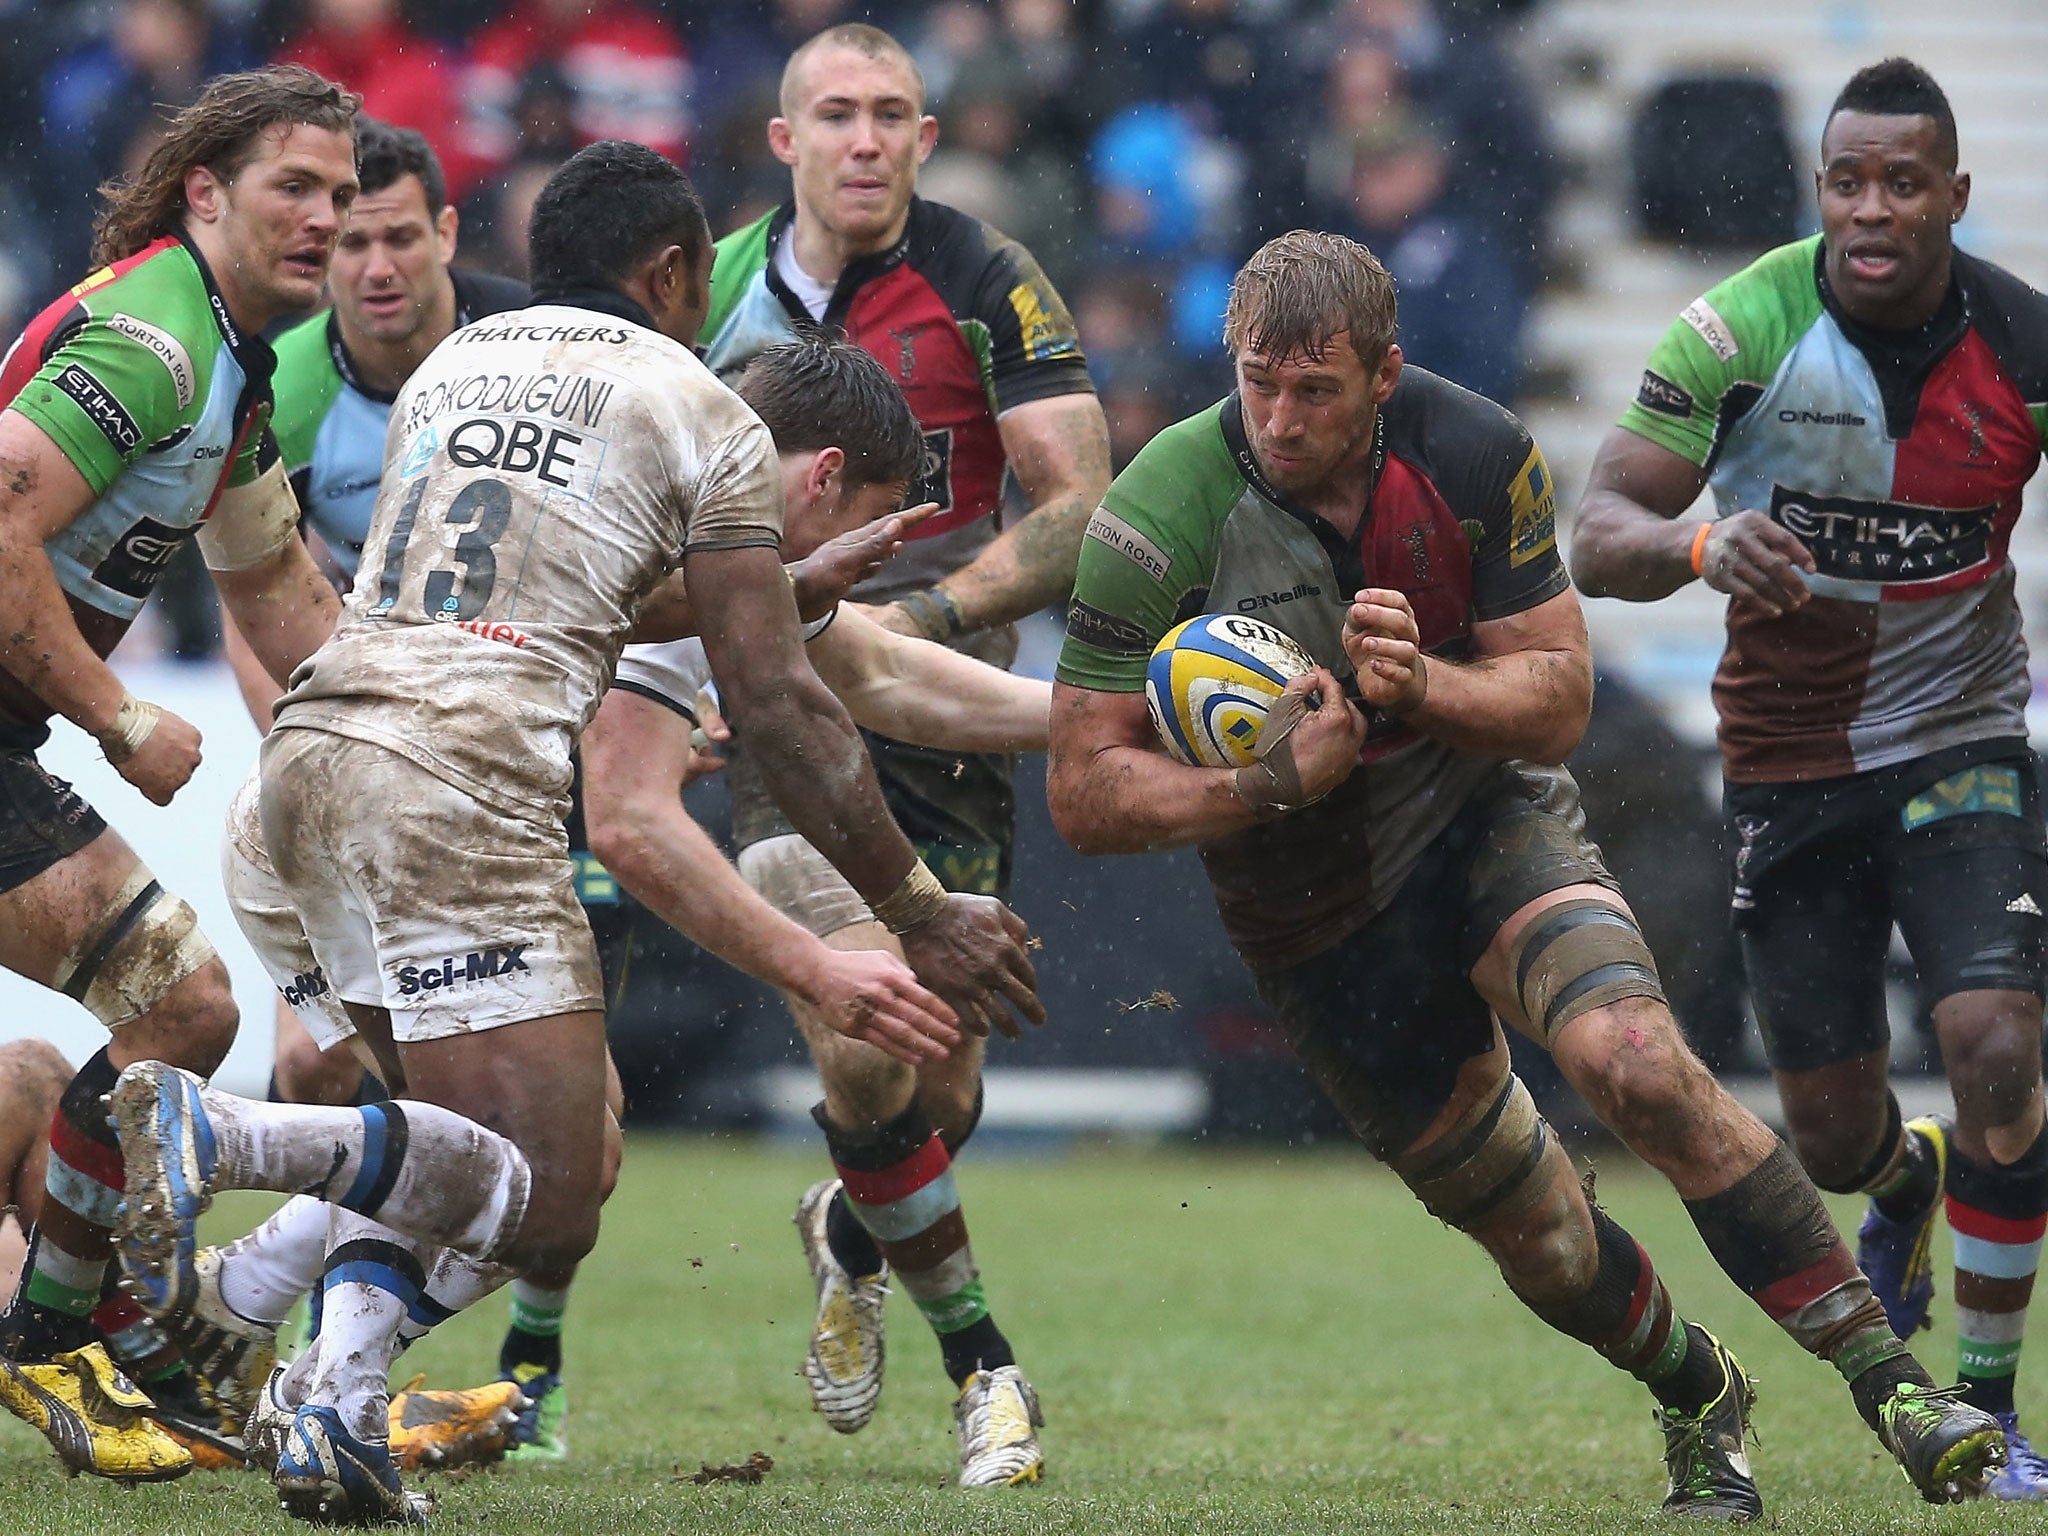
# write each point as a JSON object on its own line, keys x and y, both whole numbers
{"x": 417, "y": 897}
{"x": 43, "y": 820}
{"x": 1385, "y": 1018}
{"x": 800, "y": 883}
{"x": 269, "y": 921}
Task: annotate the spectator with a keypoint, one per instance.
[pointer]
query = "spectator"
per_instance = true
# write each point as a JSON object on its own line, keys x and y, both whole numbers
{"x": 404, "y": 78}
{"x": 102, "y": 102}
{"x": 987, "y": 165}
{"x": 627, "y": 71}
{"x": 1462, "y": 305}
{"x": 1166, "y": 197}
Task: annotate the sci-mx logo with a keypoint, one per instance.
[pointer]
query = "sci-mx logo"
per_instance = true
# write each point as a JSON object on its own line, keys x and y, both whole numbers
{"x": 305, "y": 986}
{"x": 492, "y": 964}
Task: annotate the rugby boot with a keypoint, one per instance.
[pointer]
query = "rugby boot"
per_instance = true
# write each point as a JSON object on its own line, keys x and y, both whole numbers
{"x": 1705, "y": 1455}
{"x": 230, "y": 1356}
{"x": 1898, "y": 1256}
{"x": 269, "y": 1424}
{"x": 97, "y": 1420}
{"x": 168, "y": 1143}
{"x": 212, "y": 1449}
{"x": 998, "y": 1418}
{"x": 442, "y": 1430}
{"x": 542, "y": 1433}
{"x": 2024, "y": 1477}
{"x": 1946, "y": 1448}
{"x": 844, "y": 1366}
{"x": 327, "y": 1476}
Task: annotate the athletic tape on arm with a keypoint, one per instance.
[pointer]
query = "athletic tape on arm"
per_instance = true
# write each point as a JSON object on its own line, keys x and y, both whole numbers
{"x": 250, "y": 523}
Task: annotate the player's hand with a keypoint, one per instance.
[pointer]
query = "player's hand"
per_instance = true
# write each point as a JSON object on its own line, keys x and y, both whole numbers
{"x": 972, "y": 955}
{"x": 1385, "y": 645}
{"x": 836, "y": 567}
{"x": 1755, "y": 560}
{"x": 710, "y": 734}
{"x": 165, "y": 760}
{"x": 871, "y": 996}
{"x": 1318, "y": 736}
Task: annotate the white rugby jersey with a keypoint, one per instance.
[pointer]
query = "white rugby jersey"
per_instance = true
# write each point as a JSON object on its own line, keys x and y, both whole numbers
{"x": 544, "y": 469}
{"x": 677, "y": 673}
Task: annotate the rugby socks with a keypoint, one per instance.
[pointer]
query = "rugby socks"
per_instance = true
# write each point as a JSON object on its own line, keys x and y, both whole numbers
{"x": 73, "y": 1242}
{"x": 371, "y": 1283}
{"x": 1772, "y": 1236}
{"x": 1996, "y": 1216}
{"x": 455, "y": 1282}
{"x": 388, "y": 1160}
{"x": 535, "y": 1337}
{"x": 1626, "y": 1314}
{"x": 264, "y": 1272}
{"x": 1906, "y": 1178}
{"x": 898, "y": 1181}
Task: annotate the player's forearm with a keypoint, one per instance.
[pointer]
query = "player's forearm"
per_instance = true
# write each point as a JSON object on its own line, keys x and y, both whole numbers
{"x": 285, "y": 609}
{"x": 1531, "y": 704}
{"x": 40, "y": 645}
{"x": 259, "y": 691}
{"x": 664, "y": 614}
{"x": 659, "y": 853}
{"x": 817, "y": 771}
{"x": 1620, "y": 548}
{"x": 927, "y": 695}
{"x": 1029, "y": 567}
{"x": 1123, "y": 799}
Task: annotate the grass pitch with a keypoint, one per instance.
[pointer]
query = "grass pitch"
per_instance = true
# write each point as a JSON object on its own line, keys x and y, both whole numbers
{"x": 1224, "y": 1342}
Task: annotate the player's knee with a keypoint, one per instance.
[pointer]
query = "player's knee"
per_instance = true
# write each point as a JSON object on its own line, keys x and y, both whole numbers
{"x": 1993, "y": 1056}
{"x": 1629, "y": 1062}
{"x": 614, "y": 1158}
{"x": 551, "y": 1240}
{"x": 35, "y": 1070}
{"x": 193, "y": 1026}
{"x": 1836, "y": 1155}
{"x": 151, "y": 973}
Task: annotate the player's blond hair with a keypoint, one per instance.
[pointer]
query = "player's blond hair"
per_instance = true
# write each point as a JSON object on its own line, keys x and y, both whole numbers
{"x": 223, "y": 131}
{"x": 870, "y": 42}
{"x": 1302, "y": 289}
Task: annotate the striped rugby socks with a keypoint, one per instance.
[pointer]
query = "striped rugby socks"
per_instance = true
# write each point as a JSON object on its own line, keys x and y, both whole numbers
{"x": 1996, "y": 1216}
{"x": 898, "y": 1184}
{"x": 74, "y": 1240}
{"x": 370, "y": 1285}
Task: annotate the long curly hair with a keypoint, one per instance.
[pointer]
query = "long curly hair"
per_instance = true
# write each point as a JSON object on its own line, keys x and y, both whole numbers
{"x": 222, "y": 131}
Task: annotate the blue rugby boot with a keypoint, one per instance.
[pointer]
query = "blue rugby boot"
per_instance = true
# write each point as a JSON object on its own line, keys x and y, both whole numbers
{"x": 2024, "y": 1477}
{"x": 329, "y": 1477}
{"x": 172, "y": 1157}
{"x": 1898, "y": 1256}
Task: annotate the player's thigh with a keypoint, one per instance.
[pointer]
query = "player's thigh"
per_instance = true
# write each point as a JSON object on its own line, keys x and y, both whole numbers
{"x": 1386, "y": 1021}
{"x": 1814, "y": 940}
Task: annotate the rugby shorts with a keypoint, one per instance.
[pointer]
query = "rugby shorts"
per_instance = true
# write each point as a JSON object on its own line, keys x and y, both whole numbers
{"x": 43, "y": 820}
{"x": 417, "y": 897}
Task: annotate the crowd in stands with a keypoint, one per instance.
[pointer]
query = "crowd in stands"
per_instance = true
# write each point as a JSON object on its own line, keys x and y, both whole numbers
{"x": 1140, "y": 148}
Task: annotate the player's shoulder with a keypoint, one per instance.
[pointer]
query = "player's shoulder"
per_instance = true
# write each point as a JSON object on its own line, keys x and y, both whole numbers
{"x": 1186, "y": 474}
{"x": 1434, "y": 421}
{"x": 958, "y": 250}
{"x": 478, "y": 294}
{"x": 2012, "y": 316}
{"x": 1745, "y": 322}
{"x": 161, "y": 284}
{"x": 303, "y": 385}
{"x": 737, "y": 262}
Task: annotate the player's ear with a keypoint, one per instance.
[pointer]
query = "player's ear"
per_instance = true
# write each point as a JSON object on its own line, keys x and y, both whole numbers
{"x": 927, "y": 138}
{"x": 781, "y": 141}
{"x": 1388, "y": 374}
{"x": 826, "y": 465}
{"x": 1959, "y": 197}
{"x": 446, "y": 226}
{"x": 203, "y": 193}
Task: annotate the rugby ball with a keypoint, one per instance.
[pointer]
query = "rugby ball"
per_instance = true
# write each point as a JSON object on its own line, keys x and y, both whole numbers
{"x": 1210, "y": 682}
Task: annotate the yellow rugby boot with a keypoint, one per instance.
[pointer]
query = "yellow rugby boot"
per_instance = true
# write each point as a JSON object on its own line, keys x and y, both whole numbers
{"x": 96, "y": 1418}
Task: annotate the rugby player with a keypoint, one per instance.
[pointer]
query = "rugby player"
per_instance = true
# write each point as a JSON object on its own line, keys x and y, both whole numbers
{"x": 963, "y": 318}
{"x": 547, "y": 469}
{"x": 1404, "y": 867}
{"x": 137, "y": 415}
{"x": 1866, "y": 406}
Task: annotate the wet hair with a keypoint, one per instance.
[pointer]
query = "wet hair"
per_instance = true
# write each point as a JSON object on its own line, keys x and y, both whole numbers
{"x": 818, "y": 392}
{"x": 1301, "y": 289}
{"x": 606, "y": 210}
{"x": 386, "y": 155}
{"x": 223, "y": 131}
{"x": 1897, "y": 87}
{"x": 870, "y": 42}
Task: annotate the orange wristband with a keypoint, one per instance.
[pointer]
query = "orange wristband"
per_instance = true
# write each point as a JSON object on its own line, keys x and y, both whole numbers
{"x": 1699, "y": 547}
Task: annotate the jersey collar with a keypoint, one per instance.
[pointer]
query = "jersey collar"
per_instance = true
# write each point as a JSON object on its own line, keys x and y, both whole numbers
{"x": 251, "y": 352}
{"x": 1240, "y": 446}
{"x": 606, "y": 301}
{"x": 856, "y": 275}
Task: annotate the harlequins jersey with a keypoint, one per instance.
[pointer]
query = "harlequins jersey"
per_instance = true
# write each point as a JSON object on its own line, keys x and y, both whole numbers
{"x": 1461, "y": 518}
{"x": 1898, "y": 459}
{"x": 962, "y": 318}
{"x": 330, "y": 424}
{"x": 143, "y": 380}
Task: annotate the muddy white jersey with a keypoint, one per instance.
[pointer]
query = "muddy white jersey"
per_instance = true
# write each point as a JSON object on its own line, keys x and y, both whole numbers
{"x": 543, "y": 470}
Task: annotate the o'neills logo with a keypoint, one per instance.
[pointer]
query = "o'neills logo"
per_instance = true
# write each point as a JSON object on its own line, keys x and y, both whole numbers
{"x": 1260, "y": 600}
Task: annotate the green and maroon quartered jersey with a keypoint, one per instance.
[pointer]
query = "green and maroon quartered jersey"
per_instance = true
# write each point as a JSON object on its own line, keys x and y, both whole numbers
{"x": 1462, "y": 520}
{"x": 1898, "y": 458}
{"x": 964, "y": 321}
